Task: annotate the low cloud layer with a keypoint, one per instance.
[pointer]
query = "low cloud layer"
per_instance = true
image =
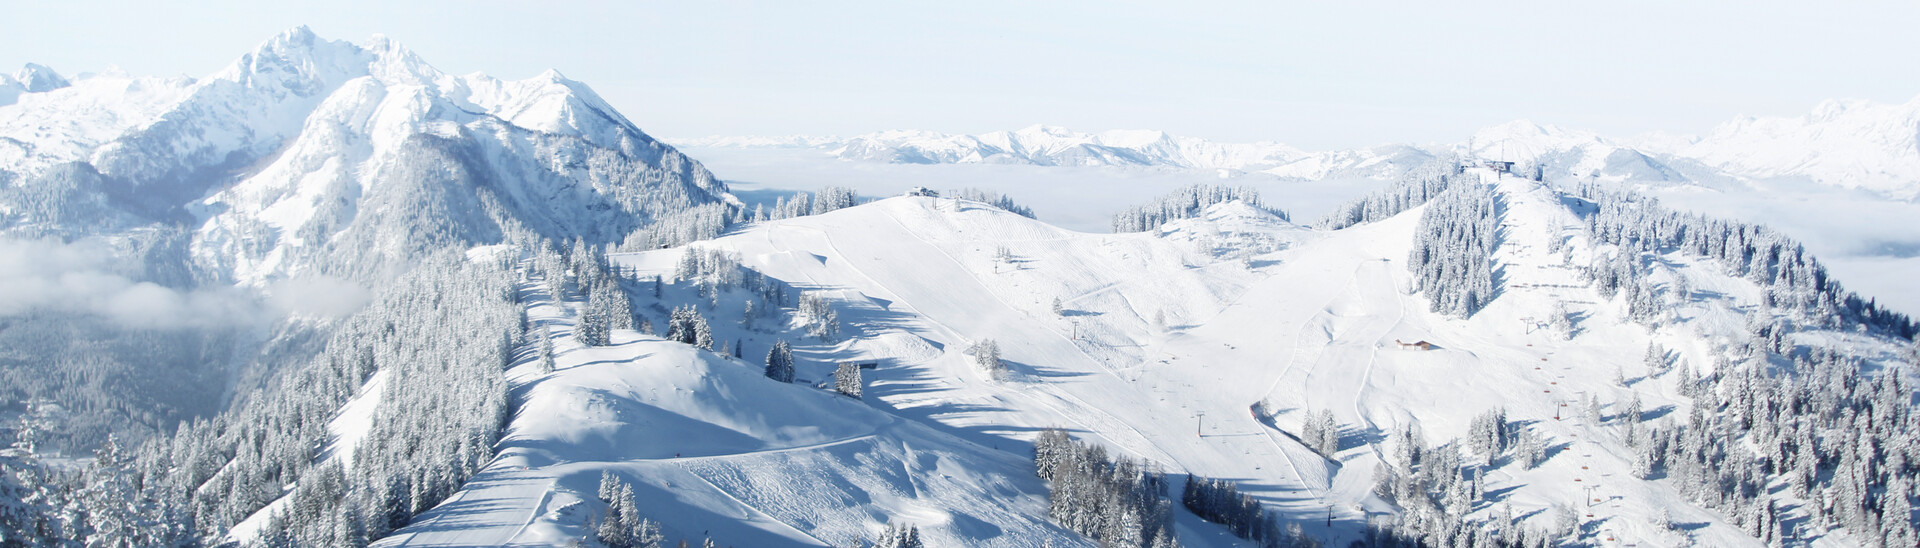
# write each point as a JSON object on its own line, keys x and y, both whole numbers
{"x": 321, "y": 296}
{"x": 81, "y": 277}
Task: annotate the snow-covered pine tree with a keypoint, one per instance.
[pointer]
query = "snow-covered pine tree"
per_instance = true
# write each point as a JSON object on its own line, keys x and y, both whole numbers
{"x": 546, "y": 350}
{"x": 986, "y": 356}
{"x": 1561, "y": 320}
{"x": 680, "y": 324}
{"x": 780, "y": 362}
{"x": 610, "y": 530}
{"x": 591, "y": 329}
{"x": 702, "y": 333}
{"x": 1792, "y": 279}
{"x": 1093, "y": 494}
{"x": 1414, "y": 188}
{"x": 900, "y": 535}
{"x": 1321, "y": 433}
{"x": 1185, "y": 203}
{"x": 818, "y": 317}
{"x": 619, "y": 308}
{"x": 1453, "y": 248}
{"x": 995, "y": 199}
{"x": 832, "y": 198}
{"x": 1529, "y": 448}
{"x": 609, "y": 486}
{"x": 846, "y": 379}
{"x": 1487, "y": 434}
{"x": 1630, "y": 421}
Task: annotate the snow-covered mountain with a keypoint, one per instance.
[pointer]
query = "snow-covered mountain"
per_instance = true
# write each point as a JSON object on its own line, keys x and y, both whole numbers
{"x": 1848, "y": 144}
{"x": 1053, "y": 145}
{"x": 32, "y": 78}
{"x": 310, "y": 154}
{"x": 1843, "y": 143}
{"x": 305, "y": 171}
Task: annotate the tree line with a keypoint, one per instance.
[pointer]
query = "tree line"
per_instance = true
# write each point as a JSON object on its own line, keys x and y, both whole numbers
{"x": 1186, "y": 203}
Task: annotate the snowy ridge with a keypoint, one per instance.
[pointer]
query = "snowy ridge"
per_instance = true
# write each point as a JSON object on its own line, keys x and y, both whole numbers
{"x": 1564, "y": 153}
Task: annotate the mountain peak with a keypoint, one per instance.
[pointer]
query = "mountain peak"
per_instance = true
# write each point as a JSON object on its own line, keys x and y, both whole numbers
{"x": 1831, "y": 109}
{"x": 1524, "y": 140}
{"x": 297, "y": 60}
{"x": 296, "y": 38}
{"x": 1047, "y": 130}
{"x": 37, "y": 78}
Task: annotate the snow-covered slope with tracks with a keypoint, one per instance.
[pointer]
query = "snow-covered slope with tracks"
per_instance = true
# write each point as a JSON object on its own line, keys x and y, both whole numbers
{"x": 1164, "y": 341}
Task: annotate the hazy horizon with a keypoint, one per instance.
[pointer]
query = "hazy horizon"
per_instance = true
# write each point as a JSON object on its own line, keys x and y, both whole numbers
{"x": 1317, "y": 77}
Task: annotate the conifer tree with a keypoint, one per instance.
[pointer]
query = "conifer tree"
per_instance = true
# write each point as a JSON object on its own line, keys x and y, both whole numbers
{"x": 986, "y": 356}
{"x": 546, "y": 350}
{"x": 846, "y": 379}
{"x": 780, "y": 362}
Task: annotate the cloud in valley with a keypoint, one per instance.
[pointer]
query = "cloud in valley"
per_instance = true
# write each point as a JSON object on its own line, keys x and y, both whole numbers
{"x": 82, "y": 277}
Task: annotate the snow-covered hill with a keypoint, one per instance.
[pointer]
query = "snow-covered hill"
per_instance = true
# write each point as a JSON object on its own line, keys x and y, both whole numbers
{"x": 714, "y": 449}
{"x": 1161, "y": 343}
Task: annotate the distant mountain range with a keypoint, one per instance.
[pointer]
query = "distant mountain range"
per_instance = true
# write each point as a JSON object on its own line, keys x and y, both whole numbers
{"x": 1057, "y": 146}
{"x": 1848, "y": 144}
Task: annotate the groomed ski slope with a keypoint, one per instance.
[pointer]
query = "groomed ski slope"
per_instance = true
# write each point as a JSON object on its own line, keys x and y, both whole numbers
{"x": 1165, "y": 340}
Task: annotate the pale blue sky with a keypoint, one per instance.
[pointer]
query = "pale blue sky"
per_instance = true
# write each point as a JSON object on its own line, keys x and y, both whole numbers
{"x": 1320, "y": 75}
